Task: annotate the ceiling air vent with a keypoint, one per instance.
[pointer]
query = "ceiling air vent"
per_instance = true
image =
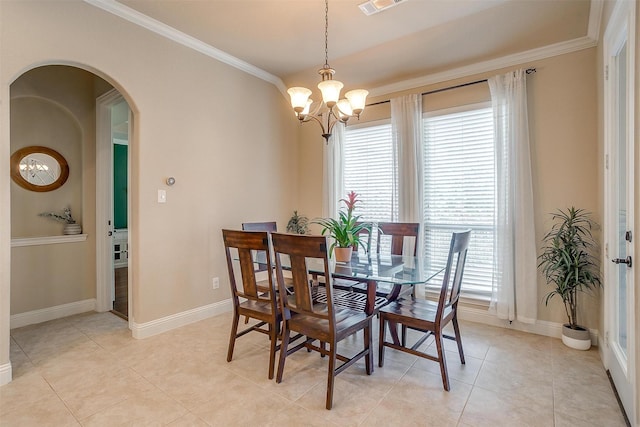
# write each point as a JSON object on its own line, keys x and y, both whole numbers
{"x": 374, "y": 6}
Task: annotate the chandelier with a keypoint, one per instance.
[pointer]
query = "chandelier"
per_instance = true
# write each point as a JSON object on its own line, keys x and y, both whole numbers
{"x": 332, "y": 109}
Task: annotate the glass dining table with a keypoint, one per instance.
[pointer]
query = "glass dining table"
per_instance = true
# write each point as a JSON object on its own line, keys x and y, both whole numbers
{"x": 374, "y": 270}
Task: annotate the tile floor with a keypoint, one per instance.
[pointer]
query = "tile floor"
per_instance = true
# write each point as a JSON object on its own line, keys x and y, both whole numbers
{"x": 87, "y": 370}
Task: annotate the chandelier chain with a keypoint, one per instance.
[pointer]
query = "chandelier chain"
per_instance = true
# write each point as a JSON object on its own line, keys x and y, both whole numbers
{"x": 326, "y": 33}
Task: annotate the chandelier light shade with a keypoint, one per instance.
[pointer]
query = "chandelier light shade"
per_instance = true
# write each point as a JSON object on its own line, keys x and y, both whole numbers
{"x": 332, "y": 109}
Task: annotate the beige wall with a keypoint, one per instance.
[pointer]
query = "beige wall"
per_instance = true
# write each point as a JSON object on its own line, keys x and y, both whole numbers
{"x": 562, "y": 101}
{"x": 227, "y": 137}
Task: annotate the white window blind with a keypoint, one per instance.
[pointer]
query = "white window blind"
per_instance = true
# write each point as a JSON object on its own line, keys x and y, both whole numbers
{"x": 459, "y": 181}
{"x": 369, "y": 171}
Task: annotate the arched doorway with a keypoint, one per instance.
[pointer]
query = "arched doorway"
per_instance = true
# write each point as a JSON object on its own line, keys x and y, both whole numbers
{"x": 53, "y": 275}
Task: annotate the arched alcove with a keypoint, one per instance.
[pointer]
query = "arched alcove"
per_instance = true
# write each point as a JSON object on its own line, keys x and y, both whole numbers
{"x": 53, "y": 275}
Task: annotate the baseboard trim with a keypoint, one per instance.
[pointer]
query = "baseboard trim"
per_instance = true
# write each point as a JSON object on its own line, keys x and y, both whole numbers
{"x": 540, "y": 327}
{"x": 5, "y": 374}
{"x": 50, "y": 313}
{"x": 164, "y": 324}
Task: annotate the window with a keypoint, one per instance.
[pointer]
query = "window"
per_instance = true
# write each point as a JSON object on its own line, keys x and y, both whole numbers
{"x": 369, "y": 170}
{"x": 459, "y": 182}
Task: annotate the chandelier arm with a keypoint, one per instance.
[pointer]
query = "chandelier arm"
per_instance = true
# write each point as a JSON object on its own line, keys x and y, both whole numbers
{"x": 342, "y": 113}
{"x": 310, "y": 117}
{"x": 331, "y": 126}
{"x": 317, "y": 110}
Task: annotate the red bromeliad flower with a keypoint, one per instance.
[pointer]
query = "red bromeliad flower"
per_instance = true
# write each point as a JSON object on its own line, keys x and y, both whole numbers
{"x": 352, "y": 199}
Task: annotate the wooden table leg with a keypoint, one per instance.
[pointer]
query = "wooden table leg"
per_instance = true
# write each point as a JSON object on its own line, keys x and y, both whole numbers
{"x": 393, "y": 326}
{"x": 372, "y": 285}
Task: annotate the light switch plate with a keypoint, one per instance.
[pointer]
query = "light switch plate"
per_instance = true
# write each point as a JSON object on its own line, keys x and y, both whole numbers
{"x": 162, "y": 196}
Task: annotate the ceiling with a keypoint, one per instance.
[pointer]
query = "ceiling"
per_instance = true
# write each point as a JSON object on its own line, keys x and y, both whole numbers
{"x": 285, "y": 38}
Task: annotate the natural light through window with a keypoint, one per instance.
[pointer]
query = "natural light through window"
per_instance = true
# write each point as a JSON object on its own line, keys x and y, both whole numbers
{"x": 369, "y": 171}
{"x": 459, "y": 181}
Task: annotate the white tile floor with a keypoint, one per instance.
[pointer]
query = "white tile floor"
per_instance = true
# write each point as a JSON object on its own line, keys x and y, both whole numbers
{"x": 87, "y": 370}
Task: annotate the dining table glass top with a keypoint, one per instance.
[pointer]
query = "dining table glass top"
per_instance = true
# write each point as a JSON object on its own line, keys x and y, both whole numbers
{"x": 396, "y": 269}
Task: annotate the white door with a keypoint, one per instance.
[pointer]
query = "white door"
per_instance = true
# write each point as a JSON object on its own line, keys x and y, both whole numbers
{"x": 113, "y": 122}
{"x": 619, "y": 204}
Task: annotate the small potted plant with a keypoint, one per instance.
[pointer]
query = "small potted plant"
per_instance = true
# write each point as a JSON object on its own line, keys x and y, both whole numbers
{"x": 569, "y": 265}
{"x": 298, "y": 224}
{"x": 70, "y": 226}
{"x": 345, "y": 230}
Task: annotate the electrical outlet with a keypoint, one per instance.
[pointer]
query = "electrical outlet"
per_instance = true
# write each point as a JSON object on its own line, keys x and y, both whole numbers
{"x": 215, "y": 283}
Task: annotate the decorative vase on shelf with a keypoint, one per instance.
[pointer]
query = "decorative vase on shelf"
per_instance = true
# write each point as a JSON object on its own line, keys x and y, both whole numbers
{"x": 72, "y": 229}
{"x": 343, "y": 254}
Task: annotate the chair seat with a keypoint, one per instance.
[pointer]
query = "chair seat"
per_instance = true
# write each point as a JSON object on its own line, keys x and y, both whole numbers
{"x": 347, "y": 322}
{"x": 258, "y": 309}
{"x": 416, "y": 310}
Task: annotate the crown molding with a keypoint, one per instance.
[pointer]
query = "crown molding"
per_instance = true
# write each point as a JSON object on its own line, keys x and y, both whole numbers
{"x": 486, "y": 66}
{"x": 588, "y": 41}
{"x": 595, "y": 19}
{"x": 179, "y": 37}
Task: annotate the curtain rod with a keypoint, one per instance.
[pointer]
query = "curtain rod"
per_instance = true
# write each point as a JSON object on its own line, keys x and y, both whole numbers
{"x": 528, "y": 71}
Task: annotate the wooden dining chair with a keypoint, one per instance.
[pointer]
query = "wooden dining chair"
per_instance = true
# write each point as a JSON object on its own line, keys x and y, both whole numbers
{"x": 258, "y": 296}
{"x": 399, "y": 232}
{"x": 430, "y": 317}
{"x": 326, "y": 322}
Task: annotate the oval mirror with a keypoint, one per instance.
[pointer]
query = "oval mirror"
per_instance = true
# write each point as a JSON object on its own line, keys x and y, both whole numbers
{"x": 39, "y": 168}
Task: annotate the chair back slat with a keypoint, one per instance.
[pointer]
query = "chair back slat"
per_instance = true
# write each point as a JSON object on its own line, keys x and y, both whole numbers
{"x": 454, "y": 270}
{"x": 398, "y": 231}
{"x": 246, "y": 244}
{"x": 302, "y": 287}
{"x": 299, "y": 248}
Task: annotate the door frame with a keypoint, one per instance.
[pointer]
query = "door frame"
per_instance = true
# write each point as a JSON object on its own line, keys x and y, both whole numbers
{"x": 620, "y": 29}
{"x": 104, "y": 203}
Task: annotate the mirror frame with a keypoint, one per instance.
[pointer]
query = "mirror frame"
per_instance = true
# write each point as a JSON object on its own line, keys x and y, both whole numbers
{"x": 19, "y": 179}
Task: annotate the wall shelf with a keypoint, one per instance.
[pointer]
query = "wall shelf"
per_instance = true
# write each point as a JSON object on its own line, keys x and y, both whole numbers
{"x": 48, "y": 240}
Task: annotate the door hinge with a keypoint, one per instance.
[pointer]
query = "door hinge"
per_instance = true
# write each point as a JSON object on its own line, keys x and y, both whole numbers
{"x": 606, "y": 161}
{"x": 606, "y": 250}
{"x": 606, "y": 338}
{"x": 606, "y": 72}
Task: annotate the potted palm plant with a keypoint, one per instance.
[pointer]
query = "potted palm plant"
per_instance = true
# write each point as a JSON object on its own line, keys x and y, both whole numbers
{"x": 570, "y": 266}
{"x": 345, "y": 230}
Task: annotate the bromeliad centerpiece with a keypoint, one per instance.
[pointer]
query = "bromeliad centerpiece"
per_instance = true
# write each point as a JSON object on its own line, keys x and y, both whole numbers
{"x": 345, "y": 230}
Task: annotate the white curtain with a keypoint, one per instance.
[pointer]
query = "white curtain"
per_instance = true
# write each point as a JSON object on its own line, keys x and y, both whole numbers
{"x": 332, "y": 172}
{"x": 406, "y": 131}
{"x": 514, "y": 295}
